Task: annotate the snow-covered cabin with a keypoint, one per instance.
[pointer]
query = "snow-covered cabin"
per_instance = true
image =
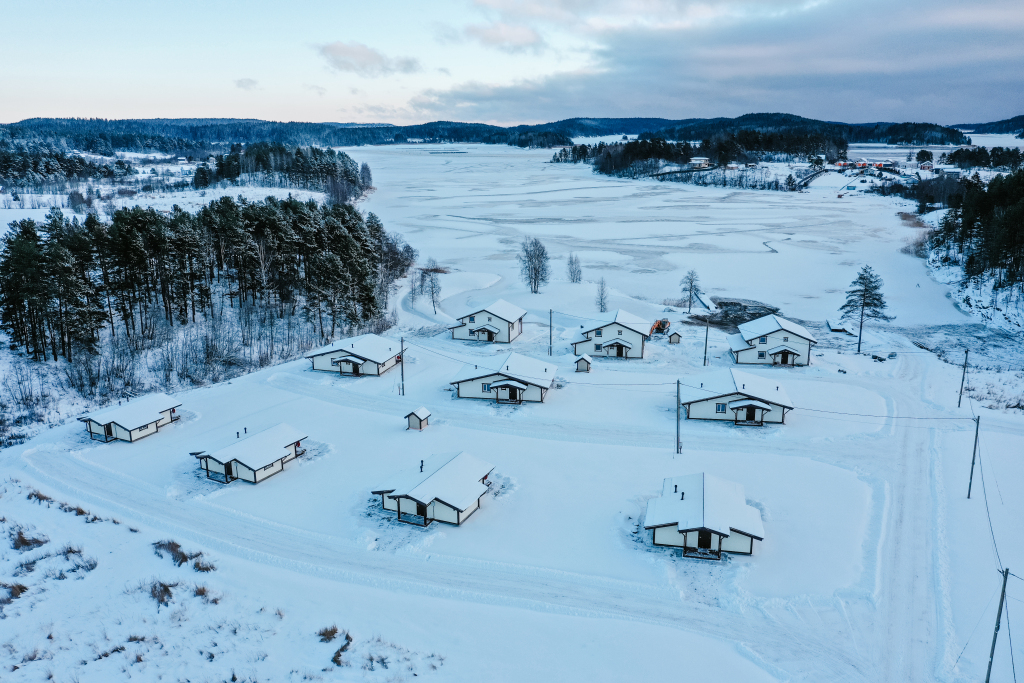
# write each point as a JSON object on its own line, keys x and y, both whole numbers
{"x": 367, "y": 354}
{"x": 675, "y": 338}
{"x": 445, "y": 489}
{"x": 133, "y": 419}
{"x": 927, "y": 166}
{"x": 699, "y": 162}
{"x": 255, "y": 457}
{"x": 736, "y": 396}
{"x": 616, "y": 333}
{"x": 418, "y": 419}
{"x": 500, "y": 322}
{"x": 772, "y": 340}
{"x": 583, "y": 363}
{"x": 705, "y": 516}
{"x": 514, "y": 379}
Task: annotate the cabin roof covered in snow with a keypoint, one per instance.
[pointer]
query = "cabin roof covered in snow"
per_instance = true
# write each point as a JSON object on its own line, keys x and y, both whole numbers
{"x": 724, "y": 382}
{"x": 624, "y": 318}
{"x": 709, "y": 503}
{"x": 262, "y": 448}
{"x": 136, "y": 412}
{"x": 502, "y": 309}
{"x": 366, "y": 346}
{"x": 584, "y": 357}
{"x": 771, "y": 323}
{"x": 514, "y": 366}
{"x": 738, "y": 343}
{"x": 453, "y": 480}
{"x": 421, "y": 413}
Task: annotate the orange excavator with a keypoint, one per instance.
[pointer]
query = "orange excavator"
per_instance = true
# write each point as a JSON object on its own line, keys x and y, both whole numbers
{"x": 660, "y": 327}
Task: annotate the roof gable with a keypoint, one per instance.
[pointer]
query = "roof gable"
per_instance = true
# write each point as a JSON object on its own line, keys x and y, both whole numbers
{"x": 501, "y": 308}
{"x": 367, "y": 346}
{"x": 454, "y": 481}
{"x": 623, "y": 318}
{"x": 136, "y": 412}
{"x": 772, "y": 323}
{"x": 726, "y": 382}
{"x": 262, "y": 448}
{"x": 514, "y": 366}
{"x": 704, "y": 501}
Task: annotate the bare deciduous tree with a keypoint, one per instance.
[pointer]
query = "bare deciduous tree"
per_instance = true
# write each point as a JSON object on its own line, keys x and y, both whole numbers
{"x": 602, "y": 296}
{"x": 574, "y": 270}
{"x": 691, "y": 288}
{"x": 534, "y": 266}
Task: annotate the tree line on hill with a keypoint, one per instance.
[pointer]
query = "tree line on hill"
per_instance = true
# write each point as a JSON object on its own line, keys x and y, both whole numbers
{"x": 249, "y": 278}
{"x": 1009, "y": 158}
{"x": 31, "y": 162}
{"x": 983, "y": 231}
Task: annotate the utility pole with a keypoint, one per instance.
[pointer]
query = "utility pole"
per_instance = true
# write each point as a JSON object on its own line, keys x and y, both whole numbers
{"x": 992, "y": 653}
{"x": 974, "y": 455}
{"x": 403, "y": 368}
{"x": 679, "y": 444}
{"x": 964, "y": 377}
{"x": 551, "y": 333}
{"x": 707, "y": 327}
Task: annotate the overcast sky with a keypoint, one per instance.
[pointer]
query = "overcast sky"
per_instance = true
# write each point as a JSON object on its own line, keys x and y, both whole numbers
{"x": 513, "y": 61}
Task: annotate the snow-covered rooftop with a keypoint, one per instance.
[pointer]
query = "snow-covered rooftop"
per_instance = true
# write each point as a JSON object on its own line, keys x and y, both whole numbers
{"x": 451, "y": 480}
{"x": 513, "y": 366}
{"x": 136, "y": 412}
{"x": 421, "y": 412}
{"x": 771, "y": 323}
{"x": 624, "y": 318}
{"x": 724, "y": 382}
{"x": 704, "y": 501}
{"x": 366, "y": 346}
{"x": 738, "y": 343}
{"x": 262, "y": 448}
{"x": 502, "y": 309}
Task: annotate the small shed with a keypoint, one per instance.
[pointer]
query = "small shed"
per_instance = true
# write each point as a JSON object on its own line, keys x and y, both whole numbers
{"x": 704, "y": 516}
{"x": 675, "y": 338}
{"x": 418, "y": 419}
{"x": 256, "y": 457}
{"x": 446, "y": 489}
{"x": 583, "y": 363}
{"x": 132, "y": 419}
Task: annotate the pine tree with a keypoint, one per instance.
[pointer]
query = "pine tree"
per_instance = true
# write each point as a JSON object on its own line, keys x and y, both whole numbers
{"x": 864, "y": 300}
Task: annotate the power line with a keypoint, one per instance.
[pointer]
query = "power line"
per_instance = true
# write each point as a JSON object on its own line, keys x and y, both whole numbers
{"x": 1009, "y": 634}
{"x": 975, "y": 630}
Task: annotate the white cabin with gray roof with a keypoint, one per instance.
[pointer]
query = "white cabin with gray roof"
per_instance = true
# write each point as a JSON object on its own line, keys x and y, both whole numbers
{"x": 617, "y": 334}
{"x": 705, "y": 516}
{"x": 500, "y": 322}
{"x": 367, "y": 354}
{"x": 444, "y": 488}
{"x": 513, "y": 379}
{"x": 772, "y": 340}
{"x": 735, "y": 396}
{"x": 132, "y": 419}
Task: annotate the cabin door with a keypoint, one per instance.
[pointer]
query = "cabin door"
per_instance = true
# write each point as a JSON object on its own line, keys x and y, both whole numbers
{"x": 227, "y": 471}
{"x": 355, "y": 369}
{"x": 490, "y": 336}
{"x": 619, "y": 351}
{"x": 513, "y": 394}
{"x": 785, "y": 357}
{"x": 704, "y": 540}
{"x": 108, "y": 431}
{"x": 421, "y": 510}
{"x": 751, "y": 414}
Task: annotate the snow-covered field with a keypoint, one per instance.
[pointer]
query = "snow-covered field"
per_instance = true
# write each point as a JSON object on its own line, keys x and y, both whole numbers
{"x": 875, "y": 566}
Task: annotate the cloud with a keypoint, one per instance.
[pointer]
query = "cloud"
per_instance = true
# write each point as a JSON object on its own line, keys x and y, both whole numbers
{"x": 316, "y": 88}
{"x": 365, "y": 61}
{"x": 246, "y": 84}
{"x": 827, "y": 60}
{"x": 507, "y": 37}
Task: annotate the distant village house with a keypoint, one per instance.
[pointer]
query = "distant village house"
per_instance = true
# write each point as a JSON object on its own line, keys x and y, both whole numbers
{"x": 772, "y": 340}
{"x": 445, "y": 489}
{"x": 735, "y": 396}
{"x": 619, "y": 334}
{"x": 705, "y": 516}
{"x": 367, "y": 354}
{"x": 500, "y": 322}
{"x": 132, "y": 419}
{"x": 515, "y": 379}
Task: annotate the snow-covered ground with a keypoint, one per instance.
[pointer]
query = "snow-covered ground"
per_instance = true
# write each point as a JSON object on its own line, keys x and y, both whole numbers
{"x": 875, "y": 566}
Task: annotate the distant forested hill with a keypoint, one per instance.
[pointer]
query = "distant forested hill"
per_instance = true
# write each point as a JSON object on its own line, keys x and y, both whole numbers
{"x": 190, "y": 137}
{"x": 1014, "y": 126}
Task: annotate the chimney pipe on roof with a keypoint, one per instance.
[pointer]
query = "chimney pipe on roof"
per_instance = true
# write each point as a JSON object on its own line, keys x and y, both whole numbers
{"x": 677, "y": 488}
{"x": 682, "y": 496}
{"x": 421, "y": 465}
{"x": 237, "y": 435}
{"x": 246, "y": 430}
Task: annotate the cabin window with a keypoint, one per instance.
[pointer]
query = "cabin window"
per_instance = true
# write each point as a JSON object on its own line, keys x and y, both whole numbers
{"x": 472, "y": 318}
{"x": 597, "y": 347}
{"x": 620, "y": 333}
{"x": 785, "y": 339}
{"x": 762, "y": 340}
{"x": 719, "y": 407}
{"x": 598, "y": 333}
{"x": 488, "y": 318}
{"x": 485, "y": 387}
{"x": 472, "y": 333}
{"x": 761, "y": 355}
